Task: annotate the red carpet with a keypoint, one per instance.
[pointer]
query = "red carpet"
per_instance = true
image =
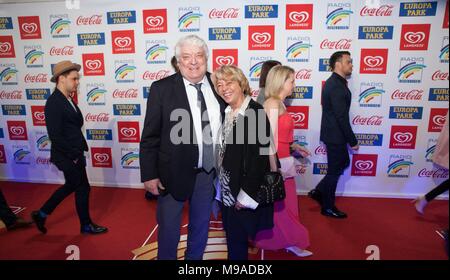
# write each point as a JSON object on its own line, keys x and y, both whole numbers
{"x": 391, "y": 224}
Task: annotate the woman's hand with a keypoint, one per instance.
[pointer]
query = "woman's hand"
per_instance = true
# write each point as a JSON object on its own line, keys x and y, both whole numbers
{"x": 239, "y": 206}
{"x": 304, "y": 152}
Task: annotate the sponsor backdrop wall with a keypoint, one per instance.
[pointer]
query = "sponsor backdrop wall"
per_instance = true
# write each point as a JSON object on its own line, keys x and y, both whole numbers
{"x": 399, "y": 85}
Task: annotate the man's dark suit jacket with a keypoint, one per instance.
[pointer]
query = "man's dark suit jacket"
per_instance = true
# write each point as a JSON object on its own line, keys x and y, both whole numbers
{"x": 336, "y": 99}
{"x": 64, "y": 130}
{"x": 174, "y": 164}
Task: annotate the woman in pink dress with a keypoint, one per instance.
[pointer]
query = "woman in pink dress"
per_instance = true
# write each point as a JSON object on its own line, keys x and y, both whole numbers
{"x": 288, "y": 233}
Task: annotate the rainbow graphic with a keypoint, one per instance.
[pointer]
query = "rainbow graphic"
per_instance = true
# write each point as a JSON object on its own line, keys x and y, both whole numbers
{"x": 128, "y": 159}
{"x": 187, "y": 19}
{"x": 398, "y": 165}
{"x": 59, "y": 26}
{"x": 156, "y": 52}
{"x": 430, "y": 152}
{"x": 123, "y": 71}
{"x": 444, "y": 54}
{"x": 297, "y": 49}
{"x": 43, "y": 143}
{"x": 32, "y": 56}
{"x": 369, "y": 94}
{"x": 95, "y": 94}
{"x": 7, "y": 74}
{"x": 337, "y": 15}
{"x": 20, "y": 154}
{"x": 410, "y": 69}
{"x": 255, "y": 71}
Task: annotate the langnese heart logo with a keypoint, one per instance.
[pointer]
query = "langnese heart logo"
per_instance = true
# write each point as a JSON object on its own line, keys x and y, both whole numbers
{"x": 225, "y": 60}
{"x": 122, "y": 42}
{"x": 364, "y": 164}
{"x": 373, "y": 61}
{"x": 29, "y": 27}
{"x": 5, "y": 47}
{"x": 101, "y": 157}
{"x": 414, "y": 37}
{"x": 17, "y": 130}
{"x": 439, "y": 120}
{"x": 128, "y": 132}
{"x": 93, "y": 64}
{"x": 154, "y": 21}
{"x": 299, "y": 17}
{"x": 261, "y": 38}
{"x": 298, "y": 117}
{"x": 40, "y": 116}
{"x": 403, "y": 137}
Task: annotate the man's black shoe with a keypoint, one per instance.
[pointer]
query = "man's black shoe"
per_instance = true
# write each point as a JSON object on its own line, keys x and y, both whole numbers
{"x": 334, "y": 213}
{"x": 316, "y": 195}
{"x": 93, "y": 229}
{"x": 39, "y": 221}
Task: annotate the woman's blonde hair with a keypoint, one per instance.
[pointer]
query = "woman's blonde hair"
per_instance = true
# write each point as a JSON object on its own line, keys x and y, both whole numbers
{"x": 231, "y": 72}
{"x": 275, "y": 80}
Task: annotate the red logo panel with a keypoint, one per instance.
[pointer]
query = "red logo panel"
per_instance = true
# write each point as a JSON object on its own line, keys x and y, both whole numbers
{"x": 29, "y": 27}
{"x": 17, "y": 130}
{"x": 122, "y": 41}
{"x": 415, "y": 37}
{"x": 261, "y": 37}
{"x": 128, "y": 132}
{"x": 93, "y": 64}
{"x": 7, "y": 47}
{"x": 224, "y": 57}
{"x": 364, "y": 165}
{"x": 403, "y": 137}
{"x": 38, "y": 115}
{"x": 101, "y": 157}
{"x": 437, "y": 119}
{"x": 300, "y": 115}
{"x": 299, "y": 16}
{"x": 155, "y": 21}
{"x": 373, "y": 61}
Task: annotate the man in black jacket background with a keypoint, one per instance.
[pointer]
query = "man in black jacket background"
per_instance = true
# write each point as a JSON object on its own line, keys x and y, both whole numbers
{"x": 64, "y": 121}
{"x": 335, "y": 132}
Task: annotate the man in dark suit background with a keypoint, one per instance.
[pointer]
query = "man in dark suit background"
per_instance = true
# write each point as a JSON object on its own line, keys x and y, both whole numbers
{"x": 335, "y": 132}
{"x": 64, "y": 121}
{"x": 182, "y": 110}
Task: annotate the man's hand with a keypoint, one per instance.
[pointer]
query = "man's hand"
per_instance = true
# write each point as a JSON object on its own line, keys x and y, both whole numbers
{"x": 355, "y": 148}
{"x": 153, "y": 186}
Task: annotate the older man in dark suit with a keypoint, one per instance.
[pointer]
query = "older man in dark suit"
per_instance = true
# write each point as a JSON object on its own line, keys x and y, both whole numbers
{"x": 64, "y": 121}
{"x": 177, "y": 149}
{"x": 335, "y": 132}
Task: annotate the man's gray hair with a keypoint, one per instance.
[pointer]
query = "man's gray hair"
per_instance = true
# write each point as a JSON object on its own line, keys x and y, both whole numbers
{"x": 190, "y": 40}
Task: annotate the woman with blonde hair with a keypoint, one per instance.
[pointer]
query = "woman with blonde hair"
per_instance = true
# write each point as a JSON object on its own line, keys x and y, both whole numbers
{"x": 241, "y": 162}
{"x": 288, "y": 233}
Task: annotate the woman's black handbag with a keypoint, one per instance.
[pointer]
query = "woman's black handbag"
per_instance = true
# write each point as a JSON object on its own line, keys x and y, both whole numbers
{"x": 272, "y": 188}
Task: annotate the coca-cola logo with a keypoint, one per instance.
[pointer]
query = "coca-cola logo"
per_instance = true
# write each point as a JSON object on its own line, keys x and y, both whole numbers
{"x": 29, "y": 27}
{"x": 122, "y": 42}
{"x": 261, "y": 38}
{"x": 383, "y": 10}
{"x": 414, "y": 94}
{"x": 128, "y": 132}
{"x": 16, "y": 94}
{"x": 373, "y": 61}
{"x": 155, "y": 76}
{"x": 364, "y": 164}
{"x": 102, "y": 117}
{"x": 373, "y": 120}
{"x": 342, "y": 44}
{"x": 440, "y": 76}
{"x": 92, "y": 20}
{"x": 225, "y": 60}
{"x": 40, "y": 116}
{"x": 403, "y": 137}
{"x": 17, "y": 130}
{"x": 228, "y": 13}
{"x": 414, "y": 37}
{"x": 67, "y": 50}
{"x": 5, "y": 47}
{"x": 439, "y": 120}
{"x": 299, "y": 17}
{"x": 38, "y": 78}
{"x": 320, "y": 150}
{"x": 101, "y": 157}
{"x": 303, "y": 74}
{"x": 298, "y": 117}
{"x": 129, "y": 93}
{"x": 93, "y": 64}
{"x": 154, "y": 21}
{"x": 438, "y": 173}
